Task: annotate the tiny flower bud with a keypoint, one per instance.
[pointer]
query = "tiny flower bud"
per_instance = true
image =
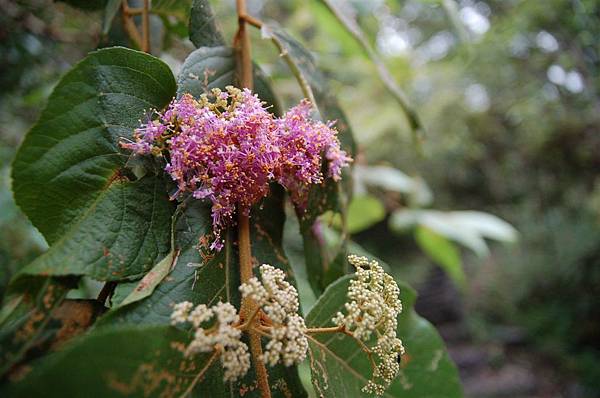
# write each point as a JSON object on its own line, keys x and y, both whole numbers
{"x": 279, "y": 301}
{"x": 222, "y": 335}
{"x": 372, "y": 310}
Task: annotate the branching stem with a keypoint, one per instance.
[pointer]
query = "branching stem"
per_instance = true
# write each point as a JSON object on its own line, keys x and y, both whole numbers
{"x": 248, "y": 323}
{"x": 252, "y": 21}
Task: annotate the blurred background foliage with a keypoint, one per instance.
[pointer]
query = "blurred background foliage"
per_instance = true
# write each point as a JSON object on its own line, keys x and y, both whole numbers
{"x": 508, "y": 93}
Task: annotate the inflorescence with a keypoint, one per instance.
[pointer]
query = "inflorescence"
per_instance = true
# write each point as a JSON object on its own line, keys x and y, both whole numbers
{"x": 370, "y": 316}
{"x": 222, "y": 335}
{"x": 279, "y": 300}
{"x": 372, "y": 311}
{"x": 219, "y": 327}
{"x": 228, "y": 148}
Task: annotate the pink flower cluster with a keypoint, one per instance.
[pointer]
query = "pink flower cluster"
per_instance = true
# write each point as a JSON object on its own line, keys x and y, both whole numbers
{"x": 230, "y": 148}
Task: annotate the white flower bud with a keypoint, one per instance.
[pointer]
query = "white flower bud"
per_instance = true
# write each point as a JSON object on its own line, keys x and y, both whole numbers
{"x": 222, "y": 335}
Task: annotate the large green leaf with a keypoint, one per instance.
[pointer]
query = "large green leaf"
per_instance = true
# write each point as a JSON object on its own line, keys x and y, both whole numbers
{"x": 130, "y": 361}
{"x": 203, "y": 30}
{"x": 120, "y": 236}
{"x": 210, "y": 67}
{"x": 68, "y": 177}
{"x": 199, "y": 276}
{"x": 340, "y": 368}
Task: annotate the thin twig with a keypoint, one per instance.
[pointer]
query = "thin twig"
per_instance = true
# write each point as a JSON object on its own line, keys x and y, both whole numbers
{"x": 200, "y": 374}
{"x": 129, "y": 25}
{"x": 333, "y": 329}
{"x": 146, "y": 27}
{"x": 252, "y": 21}
{"x": 135, "y": 11}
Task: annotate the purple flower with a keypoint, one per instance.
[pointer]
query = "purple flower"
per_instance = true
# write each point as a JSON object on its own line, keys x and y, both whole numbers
{"x": 303, "y": 141}
{"x": 229, "y": 149}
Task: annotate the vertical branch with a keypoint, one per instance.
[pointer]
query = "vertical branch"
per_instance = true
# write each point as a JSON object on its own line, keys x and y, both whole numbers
{"x": 243, "y": 48}
{"x": 129, "y": 25}
{"x": 249, "y": 307}
{"x": 146, "y": 27}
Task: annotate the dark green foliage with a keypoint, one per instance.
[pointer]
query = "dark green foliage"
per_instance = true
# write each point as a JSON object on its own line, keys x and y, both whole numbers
{"x": 134, "y": 360}
{"x": 203, "y": 30}
{"x": 107, "y": 217}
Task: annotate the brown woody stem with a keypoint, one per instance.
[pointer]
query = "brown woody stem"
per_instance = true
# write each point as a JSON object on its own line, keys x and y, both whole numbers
{"x": 252, "y": 21}
{"x": 146, "y": 27}
{"x": 129, "y": 25}
{"x": 249, "y": 307}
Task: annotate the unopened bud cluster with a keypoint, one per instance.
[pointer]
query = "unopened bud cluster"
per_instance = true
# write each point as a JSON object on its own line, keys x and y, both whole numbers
{"x": 371, "y": 313}
{"x": 220, "y": 334}
{"x": 279, "y": 300}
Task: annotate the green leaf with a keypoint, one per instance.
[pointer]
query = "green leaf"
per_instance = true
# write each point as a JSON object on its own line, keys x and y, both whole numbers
{"x": 199, "y": 275}
{"x": 203, "y": 29}
{"x": 131, "y": 361}
{"x": 210, "y": 67}
{"x": 344, "y": 13}
{"x": 364, "y": 212}
{"x": 178, "y": 9}
{"x": 110, "y": 12}
{"x": 340, "y": 368}
{"x": 148, "y": 283}
{"x": 68, "y": 176}
{"x": 443, "y": 252}
{"x": 120, "y": 236}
